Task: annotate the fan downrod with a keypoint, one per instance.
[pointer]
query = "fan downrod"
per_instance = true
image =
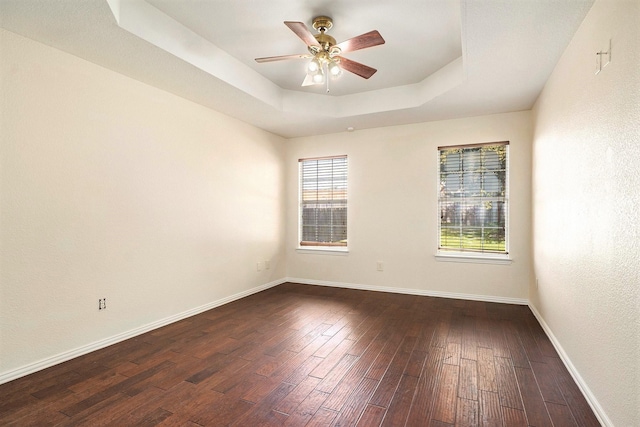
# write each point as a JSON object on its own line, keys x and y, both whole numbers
{"x": 323, "y": 24}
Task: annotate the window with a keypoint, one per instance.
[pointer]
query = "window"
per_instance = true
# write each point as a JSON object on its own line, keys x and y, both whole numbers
{"x": 473, "y": 198}
{"x": 323, "y": 201}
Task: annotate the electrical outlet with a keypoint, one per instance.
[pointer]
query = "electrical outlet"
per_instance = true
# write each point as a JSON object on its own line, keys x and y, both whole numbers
{"x": 380, "y": 266}
{"x": 102, "y": 304}
{"x": 259, "y": 266}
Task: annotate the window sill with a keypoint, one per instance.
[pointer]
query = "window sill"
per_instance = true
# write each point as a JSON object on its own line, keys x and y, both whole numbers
{"x": 500, "y": 259}
{"x": 323, "y": 250}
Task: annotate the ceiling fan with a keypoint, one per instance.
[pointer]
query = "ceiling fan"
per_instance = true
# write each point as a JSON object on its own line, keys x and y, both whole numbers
{"x": 325, "y": 54}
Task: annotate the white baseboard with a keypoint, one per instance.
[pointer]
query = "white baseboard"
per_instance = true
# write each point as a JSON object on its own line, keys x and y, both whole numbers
{"x": 411, "y": 291}
{"x": 582, "y": 385}
{"x": 97, "y": 345}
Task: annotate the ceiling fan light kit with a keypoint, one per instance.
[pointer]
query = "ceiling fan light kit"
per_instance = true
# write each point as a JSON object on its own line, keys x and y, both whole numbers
{"x": 326, "y": 54}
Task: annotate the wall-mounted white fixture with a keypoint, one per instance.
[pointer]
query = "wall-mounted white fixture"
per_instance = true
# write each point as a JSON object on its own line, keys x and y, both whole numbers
{"x": 603, "y": 59}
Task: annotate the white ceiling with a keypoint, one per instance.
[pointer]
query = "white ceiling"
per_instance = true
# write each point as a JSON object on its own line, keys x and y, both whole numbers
{"x": 442, "y": 58}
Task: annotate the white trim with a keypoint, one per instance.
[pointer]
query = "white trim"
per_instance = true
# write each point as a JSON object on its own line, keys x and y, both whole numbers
{"x": 411, "y": 291}
{"x": 323, "y": 250}
{"x": 97, "y": 345}
{"x": 582, "y": 385}
{"x": 483, "y": 258}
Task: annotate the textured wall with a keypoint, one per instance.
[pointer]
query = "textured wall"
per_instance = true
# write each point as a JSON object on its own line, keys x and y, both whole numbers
{"x": 112, "y": 188}
{"x": 393, "y": 184}
{"x": 586, "y": 191}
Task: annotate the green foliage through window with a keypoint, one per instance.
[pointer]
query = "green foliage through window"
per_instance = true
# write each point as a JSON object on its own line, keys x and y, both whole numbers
{"x": 473, "y": 198}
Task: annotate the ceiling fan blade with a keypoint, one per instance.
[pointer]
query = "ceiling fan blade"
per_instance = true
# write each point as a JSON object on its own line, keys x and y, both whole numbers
{"x": 303, "y": 32}
{"x": 363, "y": 41}
{"x": 283, "y": 57}
{"x": 357, "y": 68}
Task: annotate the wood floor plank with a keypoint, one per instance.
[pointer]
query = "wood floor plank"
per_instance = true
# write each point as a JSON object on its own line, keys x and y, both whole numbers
{"x": 267, "y": 365}
{"x": 260, "y": 413}
{"x": 415, "y": 363}
{"x": 222, "y": 411}
{"x": 486, "y": 370}
{"x": 514, "y": 418}
{"x": 364, "y": 341}
{"x": 455, "y": 328}
{"x": 422, "y": 405}
{"x": 444, "y": 408}
{"x": 398, "y": 409}
{"x": 391, "y": 378}
{"x": 297, "y": 395}
{"x": 467, "y": 413}
{"x": 350, "y": 381}
{"x": 303, "y": 370}
{"x": 333, "y": 342}
{"x": 371, "y": 416}
{"x": 534, "y": 406}
{"x": 113, "y": 390}
{"x": 301, "y": 354}
{"x": 307, "y": 409}
{"x": 39, "y": 416}
{"x": 427, "y": 330}
{"x": 68, "y": 381}
{"x": 452, "y": 354}
{"x": 335, "y": 375}
{"x": 252, "y": 369}
{"x": 469, "y": 344}
{"x": 439, "y": 338}
{"x": 468, "y": 382}
{"x": 560, "y": 415}
{"x": 490, "y": 409}
{"x": 379, "y": 366}
{"x": 214, "y": 363}
{"x": 499, "y": 344}
{"x": 332, "y": 360}
{"x": 354, "y": 406}
{"x": 518, "y": 354}
{"x": 529, "y": 344}
{"x": 547, "y": 383}
{"x": 297, "y": 345}
{"x": 117, "y": 414}
{"x": 322, "y": 418}
{"x": 507, "y": 384}
{"x": 177, "y": 399}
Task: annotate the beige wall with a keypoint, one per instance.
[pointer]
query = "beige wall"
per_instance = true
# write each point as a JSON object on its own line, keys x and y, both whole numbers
{"x": 112, "y": 188}
{"x": 393, "y": 212}
{"x": 586, "y": 192}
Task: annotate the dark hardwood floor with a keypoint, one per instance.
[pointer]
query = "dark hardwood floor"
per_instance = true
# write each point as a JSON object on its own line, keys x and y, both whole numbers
{"x": 299, "y": 355}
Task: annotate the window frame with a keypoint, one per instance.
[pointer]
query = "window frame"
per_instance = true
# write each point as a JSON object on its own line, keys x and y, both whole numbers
{"x": 474, "y": 256}
{"x": 315, "y": 246}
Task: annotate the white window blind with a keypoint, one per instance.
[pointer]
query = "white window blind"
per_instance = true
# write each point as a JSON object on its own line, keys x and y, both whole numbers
{"x": 474, "y": 198}
{"x": 323, "y": 201}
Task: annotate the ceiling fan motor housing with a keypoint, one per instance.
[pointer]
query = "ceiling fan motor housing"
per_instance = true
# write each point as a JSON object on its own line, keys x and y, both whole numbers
{"x": 324, "y": 24}
{"x": 325, "y": 41}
